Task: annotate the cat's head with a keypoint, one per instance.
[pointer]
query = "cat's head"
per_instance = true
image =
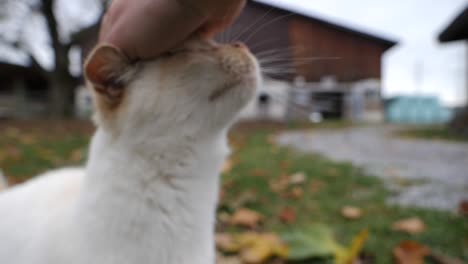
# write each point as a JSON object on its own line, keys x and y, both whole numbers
{"x": 198, "y": 88}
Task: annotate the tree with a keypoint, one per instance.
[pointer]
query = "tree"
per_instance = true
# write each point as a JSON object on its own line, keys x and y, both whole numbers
{"x": 61, "y": 81}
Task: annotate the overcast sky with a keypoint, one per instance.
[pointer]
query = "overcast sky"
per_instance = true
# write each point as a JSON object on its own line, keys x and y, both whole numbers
{"x": 419, "y": 64}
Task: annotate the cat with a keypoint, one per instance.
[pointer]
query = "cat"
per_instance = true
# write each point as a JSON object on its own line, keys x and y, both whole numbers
{"x": 149, "y": 191}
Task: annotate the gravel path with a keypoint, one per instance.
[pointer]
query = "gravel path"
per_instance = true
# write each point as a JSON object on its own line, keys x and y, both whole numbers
{"x": 422, "y": 173}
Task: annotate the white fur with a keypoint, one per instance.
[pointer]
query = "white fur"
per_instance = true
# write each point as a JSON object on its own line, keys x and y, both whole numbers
{"x": 149, "y": 191}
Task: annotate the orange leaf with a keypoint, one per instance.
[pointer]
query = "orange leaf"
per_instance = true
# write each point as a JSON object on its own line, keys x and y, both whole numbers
{"x": 410, "y": 252}
{"x": 227, "y": 166}
{"x": 246, "y": 217}
{"x": 463, "y": 208}
{"x": 296, "y": 193}
{"x": 288, "y": 215}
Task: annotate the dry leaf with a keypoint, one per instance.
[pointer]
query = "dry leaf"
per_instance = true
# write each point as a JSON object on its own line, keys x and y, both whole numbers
{"x": 258, "y": 173}
{"x": 296, "y": 193}
{"x": 463, "y": 208}
{"x": 244, "y": 198}
{"x": 228, "y": 260}
{"x": 410, "y": 252}
{"x": 316, "y": 186}
{"x": 77, "y": 155}
{"x": 279, "y": 185}
{"x": 253, "y": 247}
{"x": 297, "y": 178}
{"x": 247, "y": 218}
{"x": 226, "y": 243}
{"x": 224, "y": 217}
{"x": 351, "y": 212}
{"x": 288, "y": 215}
{"x": 227, "y": 166}
{"x": 257, "y": 248}
{"x": 411, "y": 226}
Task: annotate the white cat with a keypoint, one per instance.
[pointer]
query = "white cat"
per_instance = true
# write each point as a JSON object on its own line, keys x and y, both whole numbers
{"x": 149, "y": 192}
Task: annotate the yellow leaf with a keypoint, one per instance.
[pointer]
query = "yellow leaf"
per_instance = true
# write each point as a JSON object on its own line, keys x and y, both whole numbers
{"x": 257, "y": 248}
{"x": 350, "y": 255}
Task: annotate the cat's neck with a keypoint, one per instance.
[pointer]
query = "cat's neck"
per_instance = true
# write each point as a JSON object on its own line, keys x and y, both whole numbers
{"x": 160, "y": 194}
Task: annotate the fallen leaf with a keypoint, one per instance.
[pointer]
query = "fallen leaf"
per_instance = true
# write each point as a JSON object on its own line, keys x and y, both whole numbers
{"x": 296, "y": 193}
{"x": 227, "y": 166}
{"x": 357, "y": 245}
{"x": 410, "y": 252}
{"x": 297, "y": 178}
{"x": 259, "y": 173}
{"x": 312, "y": 241}
{"x": 350, "y": 212}
{"x": 245, "y": 197}
{"x": 252, "y": 247}
{"x": 316, "y": 186}
{"x": 246, "y": 217}
{"x": 224, "y": 217}
{"x": 228, "y": 260}
{"x": 257, "y": 248}
{"x": 411, "y": 226}
{"x": 279, "y": 185}
{"x": 288, "y": 215}
{"x": 226, "y": 243}
{"x": 317, "y": 241}
{"x": 463, "y": 208}
{"x": 77, "y": 155}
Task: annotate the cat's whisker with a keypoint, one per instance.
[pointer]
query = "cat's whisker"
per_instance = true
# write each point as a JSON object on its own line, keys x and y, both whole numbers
{"x": 252, "y": 34}
{"x": 259, "y": 20}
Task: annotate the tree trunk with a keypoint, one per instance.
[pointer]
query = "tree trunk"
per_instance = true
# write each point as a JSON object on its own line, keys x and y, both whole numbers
{"x": 61, "y": 96}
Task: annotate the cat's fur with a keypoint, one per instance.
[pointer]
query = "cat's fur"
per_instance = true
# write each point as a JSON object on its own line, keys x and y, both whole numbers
{"x": 149, "y": 191}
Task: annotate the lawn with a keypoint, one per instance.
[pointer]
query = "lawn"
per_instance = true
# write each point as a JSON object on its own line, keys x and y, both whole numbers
{"x": 254, "y": 182}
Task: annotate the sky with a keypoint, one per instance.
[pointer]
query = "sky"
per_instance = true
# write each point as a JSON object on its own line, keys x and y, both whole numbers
{"x": 419, "y": 65}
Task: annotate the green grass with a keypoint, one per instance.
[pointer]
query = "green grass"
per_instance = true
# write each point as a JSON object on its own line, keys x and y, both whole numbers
{"x": 258, "y": 163}
{"x": 432, "y": 133}
{"x": 336, "y": 185}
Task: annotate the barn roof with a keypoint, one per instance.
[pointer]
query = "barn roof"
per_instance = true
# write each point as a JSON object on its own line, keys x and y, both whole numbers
{"x": 458, "y": 29}
{"x": 373, "y": 37}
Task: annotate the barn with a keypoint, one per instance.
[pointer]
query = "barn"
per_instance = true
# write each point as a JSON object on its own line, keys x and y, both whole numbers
{"x": 458, "y": 31}
{"x": 314, "y": 68}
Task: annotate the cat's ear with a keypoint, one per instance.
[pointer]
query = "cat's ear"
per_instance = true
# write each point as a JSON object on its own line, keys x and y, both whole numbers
{"x": 108, "y": 71}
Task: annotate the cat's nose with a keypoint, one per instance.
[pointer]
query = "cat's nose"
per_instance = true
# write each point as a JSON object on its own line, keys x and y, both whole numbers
{"x": 239, "y": 45}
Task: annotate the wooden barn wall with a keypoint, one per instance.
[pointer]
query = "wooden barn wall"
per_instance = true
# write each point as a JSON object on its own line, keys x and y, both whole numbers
{"x": 265, "y": 31}
{"x": 357, "y": 58}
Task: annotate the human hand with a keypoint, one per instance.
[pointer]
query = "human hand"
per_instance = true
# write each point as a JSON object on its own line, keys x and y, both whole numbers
{"x": 144, "y": 29}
